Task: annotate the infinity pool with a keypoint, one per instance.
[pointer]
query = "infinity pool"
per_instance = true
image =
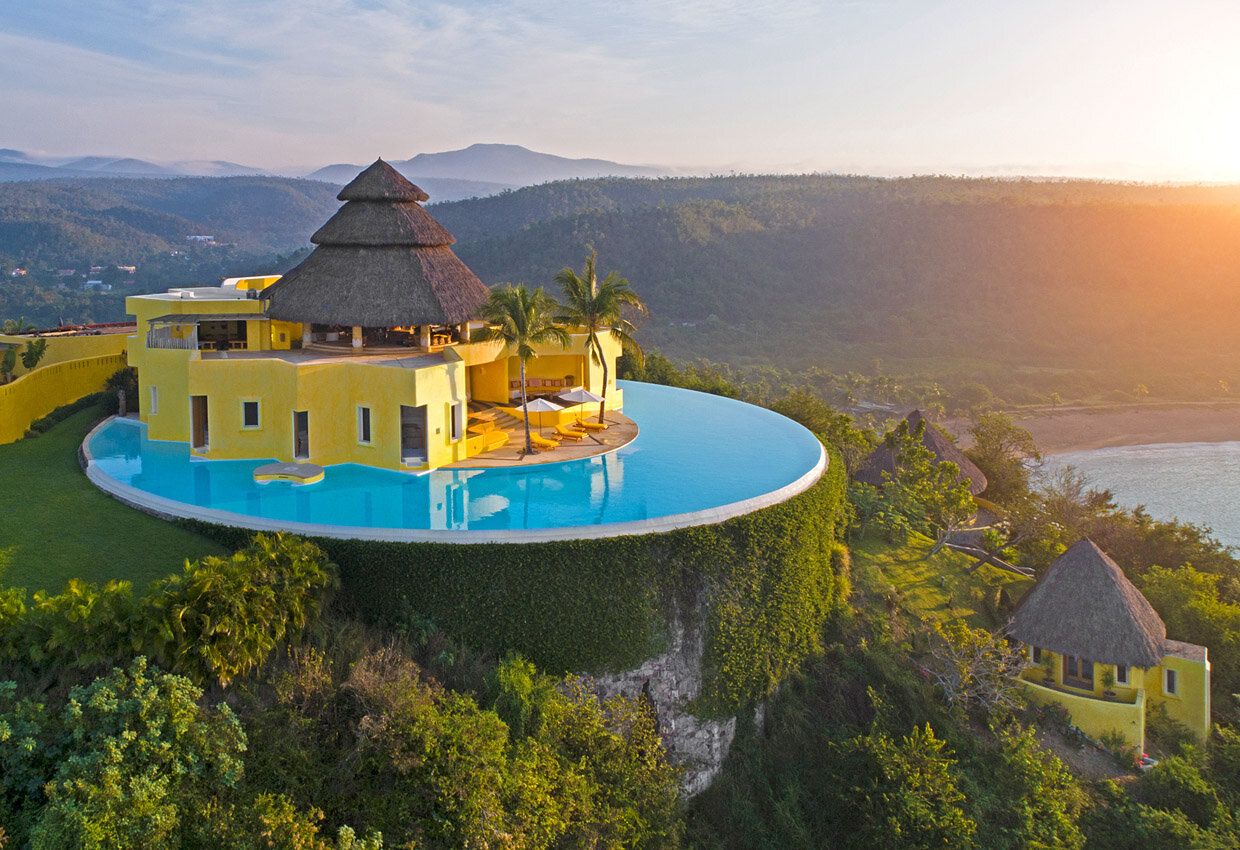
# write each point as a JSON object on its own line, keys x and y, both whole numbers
{"x": 697, "y": 459}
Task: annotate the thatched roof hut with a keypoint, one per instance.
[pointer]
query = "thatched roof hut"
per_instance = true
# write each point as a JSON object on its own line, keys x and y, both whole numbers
{"x": 380, "y": 261}
{"x": 1085, "y": 606}
{"x": 883, "y": 458}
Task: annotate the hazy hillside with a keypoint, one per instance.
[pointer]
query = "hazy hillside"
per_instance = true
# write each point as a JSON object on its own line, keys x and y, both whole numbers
{"x": 114, "y": 220}
{"x": 1069, "y": 285}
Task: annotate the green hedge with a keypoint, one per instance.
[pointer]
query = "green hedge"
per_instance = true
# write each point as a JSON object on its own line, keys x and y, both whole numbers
{"x": 765, "y": 583}
{"x": 60, "y": 414}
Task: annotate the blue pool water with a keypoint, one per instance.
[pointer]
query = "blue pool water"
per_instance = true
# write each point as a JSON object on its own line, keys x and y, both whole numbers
{"x": 694, "y": 452}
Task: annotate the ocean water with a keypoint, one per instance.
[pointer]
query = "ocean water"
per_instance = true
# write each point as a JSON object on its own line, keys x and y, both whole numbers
{"x": 1193, "y": 482}
{"x": 693, "y": 452}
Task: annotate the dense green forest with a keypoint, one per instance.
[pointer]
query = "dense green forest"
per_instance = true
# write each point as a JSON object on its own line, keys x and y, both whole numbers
{"x": 1032, "y": 288}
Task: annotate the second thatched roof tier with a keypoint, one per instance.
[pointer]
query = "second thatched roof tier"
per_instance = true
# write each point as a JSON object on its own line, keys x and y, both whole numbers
{"x": 883, "y": 458}
{"x": 1085, "y": 606}
{"x": 380, "y": 261}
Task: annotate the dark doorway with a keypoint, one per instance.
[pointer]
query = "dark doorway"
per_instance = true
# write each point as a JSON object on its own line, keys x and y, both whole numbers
{"x": 301, "y": 435}
{"x": 413, "y": 451}
{"x": 200, "y": 433}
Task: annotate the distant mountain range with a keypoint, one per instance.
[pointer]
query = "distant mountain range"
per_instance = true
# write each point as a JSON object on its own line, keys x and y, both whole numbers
{"x": 476, "y": 171}
{"x": 505, "y": 166}
{"x": 18, "y": 166}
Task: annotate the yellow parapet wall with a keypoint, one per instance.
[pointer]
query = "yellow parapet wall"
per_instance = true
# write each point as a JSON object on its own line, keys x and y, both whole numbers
{"x": 69, "y": 347}
{"x": 38, "y": 393}
{"x": 1094, "y": 716}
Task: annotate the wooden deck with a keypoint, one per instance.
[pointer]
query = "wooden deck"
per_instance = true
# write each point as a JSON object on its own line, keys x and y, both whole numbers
{"x": 620, "y": 432}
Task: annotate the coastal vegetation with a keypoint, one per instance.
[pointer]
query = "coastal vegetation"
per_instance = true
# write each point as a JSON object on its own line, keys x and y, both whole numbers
{"x": 287, "y": 702}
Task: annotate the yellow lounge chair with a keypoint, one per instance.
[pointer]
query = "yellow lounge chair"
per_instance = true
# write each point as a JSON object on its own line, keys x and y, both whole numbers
{"x": 543, "y": 442}
{"x": 591, "y": 426}
{"x": 495, "y": 440}
{"x": 569, "y": 433}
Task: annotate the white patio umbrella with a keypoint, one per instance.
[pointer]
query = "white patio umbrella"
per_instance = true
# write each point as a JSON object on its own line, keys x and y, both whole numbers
{"x": 581, "y": 396}
{"x": 539, "y": 405}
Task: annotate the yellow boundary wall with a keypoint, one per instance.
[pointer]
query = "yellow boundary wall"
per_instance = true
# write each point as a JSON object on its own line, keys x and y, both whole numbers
{"x": 63, "y": 348}
{"x": 38, "y": 393}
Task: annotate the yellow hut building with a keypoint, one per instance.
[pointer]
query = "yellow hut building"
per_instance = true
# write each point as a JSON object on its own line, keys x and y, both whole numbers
{"x": 1098, "y": 648}
{"x": 366, "y": 352}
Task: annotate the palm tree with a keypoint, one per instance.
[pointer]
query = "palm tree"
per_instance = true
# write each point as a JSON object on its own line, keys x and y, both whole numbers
{"x": 598, "y": 308}
{"x": 523, "y": 319}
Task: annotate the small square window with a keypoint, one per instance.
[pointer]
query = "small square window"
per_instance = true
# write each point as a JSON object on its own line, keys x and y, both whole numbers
{"x": 363, "y": 424}
{"x": 249, "y": 414}
{"x": 1171, "y": 682}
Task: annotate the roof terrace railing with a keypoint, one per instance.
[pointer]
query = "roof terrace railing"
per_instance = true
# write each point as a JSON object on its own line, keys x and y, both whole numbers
{"x": 162, "y": 337}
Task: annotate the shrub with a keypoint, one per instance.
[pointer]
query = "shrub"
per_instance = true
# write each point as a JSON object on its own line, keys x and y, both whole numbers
{"x": 126, "y": 756}
{"x": 1176, "y": 784}
{"x": 1117, "y": 745}
{"x": 221, "y": 617}
{"x": 1117, "y": 822}
{"x": 1224, "y": 760}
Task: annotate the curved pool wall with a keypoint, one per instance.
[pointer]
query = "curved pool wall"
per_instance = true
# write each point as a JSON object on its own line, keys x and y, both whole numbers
{"x": 698, "y": 459}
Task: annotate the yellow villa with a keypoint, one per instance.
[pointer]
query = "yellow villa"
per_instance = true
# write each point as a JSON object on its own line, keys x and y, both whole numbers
{"x": 367, "y": 352}
{"x": 1098, "y": 648}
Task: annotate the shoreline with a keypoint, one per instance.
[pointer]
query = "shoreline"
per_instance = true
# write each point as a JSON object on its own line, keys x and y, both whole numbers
{"x": 1071, "y": 429}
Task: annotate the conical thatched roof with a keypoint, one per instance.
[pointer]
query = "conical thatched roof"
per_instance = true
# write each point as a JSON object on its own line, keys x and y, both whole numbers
{"x": 883, "y": 458}
{"x": 380, "y": 261}
{"x": 1086, "y": 606}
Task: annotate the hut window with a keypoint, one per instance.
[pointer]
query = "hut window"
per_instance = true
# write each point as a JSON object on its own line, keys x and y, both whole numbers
{"x": 363, "y": 425}
{"x": 1079, "y": 672}
{"x": 456, "y": 421}
{"x": 1037, "y": 655}
{"x": 249, "y": 414}
{"x": 1171, "y": 682}
{"x": 154, "y": 405}
{"x": 1121, "y": 674}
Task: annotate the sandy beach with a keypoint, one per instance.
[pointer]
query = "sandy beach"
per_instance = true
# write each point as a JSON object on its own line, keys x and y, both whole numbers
{"x": 1066, "y": 429}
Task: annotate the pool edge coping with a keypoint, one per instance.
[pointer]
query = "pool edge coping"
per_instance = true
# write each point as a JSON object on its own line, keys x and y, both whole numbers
{"x": 170, "y": 509}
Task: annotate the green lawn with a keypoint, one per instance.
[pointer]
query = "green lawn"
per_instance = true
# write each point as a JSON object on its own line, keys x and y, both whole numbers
{"x": 941, "y": 587}
{"x": 54, "y": 524}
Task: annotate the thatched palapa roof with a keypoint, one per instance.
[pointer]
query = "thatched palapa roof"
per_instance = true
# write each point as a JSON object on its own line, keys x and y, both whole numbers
{"x": 1086, "y": 606}
{"x": 380, "y": 261}
{"x": 883, "y": 458}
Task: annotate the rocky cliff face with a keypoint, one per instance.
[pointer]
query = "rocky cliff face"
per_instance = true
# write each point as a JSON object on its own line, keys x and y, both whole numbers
{"x": 671, "y": 682}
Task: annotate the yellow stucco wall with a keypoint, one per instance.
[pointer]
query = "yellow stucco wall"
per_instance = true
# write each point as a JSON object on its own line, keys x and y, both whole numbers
{"x": 62, "y": 348}
{"x": 1096, "y": 717}
{"x": 1191, "y": 706}
{"x": 330, "y": 392}
{"x": 37, "y": 394}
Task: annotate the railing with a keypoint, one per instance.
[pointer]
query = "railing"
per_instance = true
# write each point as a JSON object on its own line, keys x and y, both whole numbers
{"x": 162, "y": 338}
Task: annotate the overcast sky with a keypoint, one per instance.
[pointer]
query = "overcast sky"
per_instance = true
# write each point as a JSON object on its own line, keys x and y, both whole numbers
{"x": 1132, "y": 90}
